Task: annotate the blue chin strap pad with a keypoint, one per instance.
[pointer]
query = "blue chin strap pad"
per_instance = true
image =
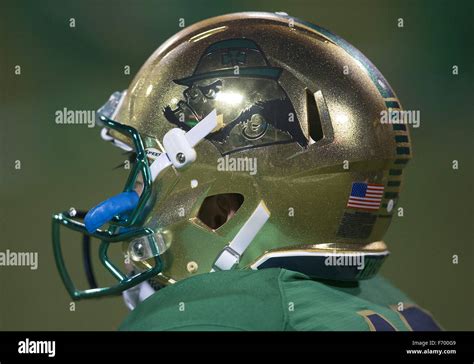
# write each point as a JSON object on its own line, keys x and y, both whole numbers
{"x": 105, "y": 211}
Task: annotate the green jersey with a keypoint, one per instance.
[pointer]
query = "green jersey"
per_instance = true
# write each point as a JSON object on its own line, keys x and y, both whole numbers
{"x": 276, "y": 300}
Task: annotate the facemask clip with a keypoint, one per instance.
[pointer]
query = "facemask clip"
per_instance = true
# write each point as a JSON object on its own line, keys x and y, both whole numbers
{"x": 146, "y": 247}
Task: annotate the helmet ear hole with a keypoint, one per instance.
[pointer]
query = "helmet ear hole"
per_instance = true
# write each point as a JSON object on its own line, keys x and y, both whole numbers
{"x": 216, "y": 210}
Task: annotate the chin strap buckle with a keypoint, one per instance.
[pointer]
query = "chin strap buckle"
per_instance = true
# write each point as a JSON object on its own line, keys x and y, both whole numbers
{"x": 180, "y": 152}
{"x": 229, "y": 257}
{"x": 179, "y": 145}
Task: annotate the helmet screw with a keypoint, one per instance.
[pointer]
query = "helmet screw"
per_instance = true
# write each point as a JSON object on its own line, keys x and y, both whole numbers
{"x": 139, "y": 249}
{"x": 192, "y": 267}
{"x": 181, "y": 157}
{"x": 72, "y": 212}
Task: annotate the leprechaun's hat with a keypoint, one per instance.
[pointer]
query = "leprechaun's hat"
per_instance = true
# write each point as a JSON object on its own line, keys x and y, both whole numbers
{"x": 220, "y": 58}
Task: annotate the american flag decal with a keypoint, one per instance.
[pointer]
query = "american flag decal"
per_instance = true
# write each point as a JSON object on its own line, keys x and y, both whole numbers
{"x": 365, "y": 196}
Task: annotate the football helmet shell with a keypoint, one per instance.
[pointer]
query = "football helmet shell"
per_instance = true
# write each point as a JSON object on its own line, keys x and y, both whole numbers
{"x": 298, "y": 102}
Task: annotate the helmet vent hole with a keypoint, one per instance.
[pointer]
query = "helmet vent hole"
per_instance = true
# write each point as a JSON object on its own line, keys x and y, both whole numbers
{"x": 216, "y": 210}
{"x": 314, "y": 120}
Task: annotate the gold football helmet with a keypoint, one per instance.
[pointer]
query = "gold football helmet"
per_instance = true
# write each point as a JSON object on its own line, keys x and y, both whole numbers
{"x": 258, "y": 143}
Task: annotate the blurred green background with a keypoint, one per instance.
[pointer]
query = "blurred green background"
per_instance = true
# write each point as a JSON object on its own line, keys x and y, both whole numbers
{"x": 80, "y": 67}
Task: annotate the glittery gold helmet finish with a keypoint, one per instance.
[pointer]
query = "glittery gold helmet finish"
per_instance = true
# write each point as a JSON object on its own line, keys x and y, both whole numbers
{"x": 292, "y": 167}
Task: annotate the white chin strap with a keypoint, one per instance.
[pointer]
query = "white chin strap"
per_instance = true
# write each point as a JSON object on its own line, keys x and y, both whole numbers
{"x": 133, "y": 296}
{"x": 179, "y": 145}
{"x": 229, "y": 257}
{"x": 179, "y": 152}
